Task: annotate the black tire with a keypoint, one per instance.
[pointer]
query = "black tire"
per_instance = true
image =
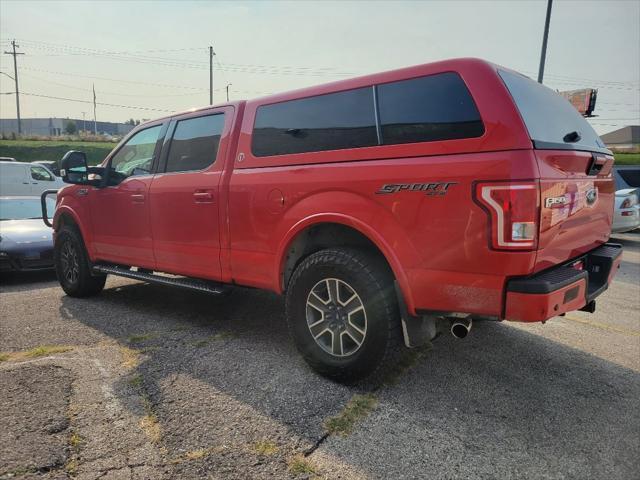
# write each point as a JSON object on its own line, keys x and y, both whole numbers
{"x": 72, "y": 265}
{"x": 369, "y": 277}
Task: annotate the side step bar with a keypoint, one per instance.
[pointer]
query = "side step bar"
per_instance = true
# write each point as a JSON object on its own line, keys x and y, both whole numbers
{"x": 182, "y": 282}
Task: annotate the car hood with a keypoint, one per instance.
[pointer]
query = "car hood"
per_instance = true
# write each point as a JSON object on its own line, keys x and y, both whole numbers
{"x": 31, "y": 231}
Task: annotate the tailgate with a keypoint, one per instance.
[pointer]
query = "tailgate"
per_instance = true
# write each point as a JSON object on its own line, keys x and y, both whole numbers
{"x": 577, "y": 195}
{"x": 576, "y": 185}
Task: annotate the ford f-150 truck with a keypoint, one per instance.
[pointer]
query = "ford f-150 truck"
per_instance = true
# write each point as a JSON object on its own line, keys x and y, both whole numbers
{"x": 383, "y": 207}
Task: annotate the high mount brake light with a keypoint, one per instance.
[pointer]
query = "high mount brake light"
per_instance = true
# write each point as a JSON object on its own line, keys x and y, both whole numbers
{"x": 513, "y": 208}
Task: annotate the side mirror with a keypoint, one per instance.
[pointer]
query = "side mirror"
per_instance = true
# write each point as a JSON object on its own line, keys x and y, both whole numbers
{"x": 73, "y": 168}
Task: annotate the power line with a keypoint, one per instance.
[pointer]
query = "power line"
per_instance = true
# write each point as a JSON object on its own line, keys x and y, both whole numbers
{"x": 99, "y": 103}
{"x": 51, "y": 82}
{"x": 119, "y": 80}
{"x": 194, "y": 64}
{"x": 166, "y": 85}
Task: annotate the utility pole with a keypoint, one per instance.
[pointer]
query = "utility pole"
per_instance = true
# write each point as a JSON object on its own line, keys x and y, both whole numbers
{"x": 95, "y": 124}
{"x": 228, "y": 85}
{"x": 15, "y": 74}
{"x": 211, "y": 54}
{"x": 543, "y": 53}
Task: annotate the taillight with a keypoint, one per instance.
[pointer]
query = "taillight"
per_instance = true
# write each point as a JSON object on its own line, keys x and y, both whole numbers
{"x": 513, "y": 209}
{"x": 630, "y": 201}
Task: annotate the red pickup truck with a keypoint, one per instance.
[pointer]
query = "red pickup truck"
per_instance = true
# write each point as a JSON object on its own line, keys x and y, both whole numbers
{"x": 383, "y": 207}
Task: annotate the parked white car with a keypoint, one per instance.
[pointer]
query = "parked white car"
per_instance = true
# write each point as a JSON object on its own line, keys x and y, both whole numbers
{"x": 22, "y": 179}
{"x": 626, "y": 214}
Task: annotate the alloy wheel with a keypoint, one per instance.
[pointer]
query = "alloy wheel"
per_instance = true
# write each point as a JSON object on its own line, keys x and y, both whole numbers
{"x": 336, "y": 317}
{"x": 70, "y": 262}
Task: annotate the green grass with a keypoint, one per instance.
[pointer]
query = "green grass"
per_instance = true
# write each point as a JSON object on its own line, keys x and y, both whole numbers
{"x": 265, "y": 447}
{"x": 30, "y": 150}
{"x": 627, "y": 158}
{"x": 141, "y": 337}
{"x": 41, "y": 351}
{"x": 356, "y": 409}
{"x": 299, "y": 465}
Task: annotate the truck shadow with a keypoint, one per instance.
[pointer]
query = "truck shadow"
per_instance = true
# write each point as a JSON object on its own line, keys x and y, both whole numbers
{"x": 503, "y": 398}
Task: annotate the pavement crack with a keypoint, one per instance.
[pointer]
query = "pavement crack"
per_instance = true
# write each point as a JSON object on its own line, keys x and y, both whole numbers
{"x": 316, "y": 445}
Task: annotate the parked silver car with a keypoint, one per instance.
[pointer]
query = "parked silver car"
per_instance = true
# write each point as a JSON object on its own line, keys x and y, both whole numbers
{"x": 626, "y": 214}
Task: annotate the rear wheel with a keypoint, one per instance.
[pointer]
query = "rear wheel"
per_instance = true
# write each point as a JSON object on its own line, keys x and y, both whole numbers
{"x": 342, "y": 313}
{"x": 72, "y": 265}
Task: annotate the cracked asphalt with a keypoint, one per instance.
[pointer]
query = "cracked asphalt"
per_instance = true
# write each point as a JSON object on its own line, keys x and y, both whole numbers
{"x": 162, "y": 383}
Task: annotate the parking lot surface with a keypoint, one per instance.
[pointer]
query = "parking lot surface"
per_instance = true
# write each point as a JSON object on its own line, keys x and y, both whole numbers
{"x": 148, "y": 382}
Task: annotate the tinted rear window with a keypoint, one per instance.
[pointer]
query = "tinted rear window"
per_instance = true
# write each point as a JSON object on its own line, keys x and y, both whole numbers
{"x": 550, "y": 117}
{"x": 631, "y": 177}
{"x": 425, "y": 109}
{"x": 324, "y": 122}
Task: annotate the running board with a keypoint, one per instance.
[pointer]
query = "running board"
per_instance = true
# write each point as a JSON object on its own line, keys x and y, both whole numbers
{"x": 182, "y": 282}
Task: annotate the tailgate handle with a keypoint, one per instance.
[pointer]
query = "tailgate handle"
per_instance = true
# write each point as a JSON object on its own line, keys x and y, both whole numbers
{"x": 596, "y": 164}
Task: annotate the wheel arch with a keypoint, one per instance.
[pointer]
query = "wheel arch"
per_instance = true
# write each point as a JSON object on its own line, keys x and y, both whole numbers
{"x": 67, "y": 216}
{"x": 335, "y": 230}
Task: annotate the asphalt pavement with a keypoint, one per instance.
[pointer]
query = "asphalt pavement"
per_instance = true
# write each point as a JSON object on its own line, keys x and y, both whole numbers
{"x": 150, "y": 382}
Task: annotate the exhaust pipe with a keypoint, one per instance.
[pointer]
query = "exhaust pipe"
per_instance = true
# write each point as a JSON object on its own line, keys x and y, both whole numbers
{"x": 460, "y": 327}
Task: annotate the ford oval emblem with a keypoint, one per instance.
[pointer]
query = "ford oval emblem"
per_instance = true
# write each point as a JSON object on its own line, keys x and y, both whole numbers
{"x": 592, "y": 196}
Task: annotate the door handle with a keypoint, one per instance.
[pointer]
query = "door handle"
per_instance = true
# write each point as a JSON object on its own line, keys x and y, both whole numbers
{"x": 137, "y": 197}
{"x": 203, "y": 197}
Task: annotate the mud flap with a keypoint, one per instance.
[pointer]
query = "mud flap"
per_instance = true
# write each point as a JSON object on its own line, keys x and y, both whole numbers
{"x": 416, "y": 331}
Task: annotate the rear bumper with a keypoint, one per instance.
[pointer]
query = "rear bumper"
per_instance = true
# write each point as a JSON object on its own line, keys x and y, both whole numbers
{"x": 563, "y": 288}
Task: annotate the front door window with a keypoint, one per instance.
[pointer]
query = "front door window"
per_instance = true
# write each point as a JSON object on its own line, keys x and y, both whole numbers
{"x": 136, "y": 156}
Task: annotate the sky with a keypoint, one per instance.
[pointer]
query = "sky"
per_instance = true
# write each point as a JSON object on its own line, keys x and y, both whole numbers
{"x": 147, "y": 59}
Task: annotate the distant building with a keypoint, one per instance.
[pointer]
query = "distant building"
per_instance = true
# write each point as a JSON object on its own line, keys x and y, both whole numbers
{"x": 625, "y": 138}
{"x": 56, "y": 126}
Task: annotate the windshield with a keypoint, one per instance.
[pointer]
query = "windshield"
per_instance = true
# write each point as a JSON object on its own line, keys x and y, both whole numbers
{"x": 23, "y": 208}
{"x": 549, "y": 117}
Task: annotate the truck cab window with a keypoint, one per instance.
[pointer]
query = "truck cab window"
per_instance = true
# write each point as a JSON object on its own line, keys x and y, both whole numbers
{"x": 136, "y": 156}
{"x": 41, "y": 174}
{"x": 194, "y": 145}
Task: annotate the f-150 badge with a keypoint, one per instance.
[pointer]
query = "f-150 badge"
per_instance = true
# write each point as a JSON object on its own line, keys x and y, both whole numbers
{"x": 433, "y": 188}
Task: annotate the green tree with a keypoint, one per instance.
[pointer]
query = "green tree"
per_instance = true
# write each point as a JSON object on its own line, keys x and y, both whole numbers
{"x": 70, "y": 127}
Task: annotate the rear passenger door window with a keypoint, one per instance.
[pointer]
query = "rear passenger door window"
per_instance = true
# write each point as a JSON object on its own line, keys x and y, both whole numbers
{"x": 324, "y": 122}
{"x": 426, "y": 109}
{"x": 195, "y": 143}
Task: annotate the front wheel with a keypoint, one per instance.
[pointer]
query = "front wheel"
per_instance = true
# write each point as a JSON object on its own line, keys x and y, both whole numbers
{"x": 72, "y": 265}
{"x": 342, "y": 313}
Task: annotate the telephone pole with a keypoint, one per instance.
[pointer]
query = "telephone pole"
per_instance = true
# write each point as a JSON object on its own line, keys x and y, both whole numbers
{"x": 15, "y": 75}
{"x": 228, "y": 85}
{"x": 95, "y": 124}
{"x": 543, "y": 53}
{"x": 211, "y": 54}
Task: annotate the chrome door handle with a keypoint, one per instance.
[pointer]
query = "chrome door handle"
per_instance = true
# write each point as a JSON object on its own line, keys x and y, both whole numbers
{"x": 203, "y": 197}
{"x": 137, "y": 197}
